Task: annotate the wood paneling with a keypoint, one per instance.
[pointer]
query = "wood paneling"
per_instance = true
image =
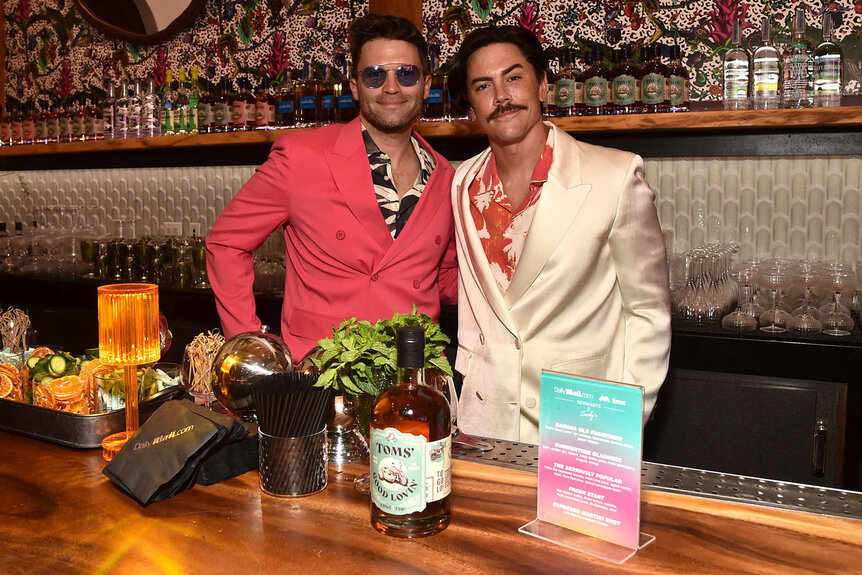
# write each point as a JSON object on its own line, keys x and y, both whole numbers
{"x": 410, "y": 9}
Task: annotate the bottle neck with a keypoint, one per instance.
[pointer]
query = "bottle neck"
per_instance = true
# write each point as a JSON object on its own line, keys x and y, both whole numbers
{"x": 413, "y": 375}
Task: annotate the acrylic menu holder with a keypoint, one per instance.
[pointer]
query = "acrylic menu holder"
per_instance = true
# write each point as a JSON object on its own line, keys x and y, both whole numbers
{"x": 590, "y": 457}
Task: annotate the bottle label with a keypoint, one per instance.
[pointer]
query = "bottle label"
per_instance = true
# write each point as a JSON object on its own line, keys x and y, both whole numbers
{"x": 653, "y": 87}
{"x": 827, "y": 75}
{"x": 736, "y": 80}
{"x": 435, "y": 96}
{"x": 220, "y": 114}
{"x": 625, "y": 90}
{"x": 407, "y": 471}
{"x": 237, "y": 112}
{"x": 345, "y": 101}
{"x": 135, "y": 117}
{"x": 41, "y": 130}
{"x": 90, "y": 126}
{"x": 28, "y": 129}
{"x": 579, "y": 92}
{"x": 596, "y": 92}
{"x": 77, "y": 126}
{"x": 250, "y": 111}
{"x": 5, "y": 131}
{"x": 327, "y": 102}
{"x": 261, "y": 117}
{"x": 270, "y": 114}
{"x": 52, "y": 126}
{"x": 766, "y": 78}
{"x": 551, "y": 99}
{"x": 285, "y": 107}
{"x": 204, "y": 114}
{"x": 108, "y": 118}
{"x": 565, "y": 93}
{"x": 306, "y": 103}
{"x": 678, "y": 90}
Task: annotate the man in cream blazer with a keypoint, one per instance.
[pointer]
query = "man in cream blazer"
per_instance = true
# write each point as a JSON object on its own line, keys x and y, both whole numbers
{"x": 588, "y": 294}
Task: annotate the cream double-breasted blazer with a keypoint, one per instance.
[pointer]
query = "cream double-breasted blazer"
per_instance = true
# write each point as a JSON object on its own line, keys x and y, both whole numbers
{"x": 589, "y": 295}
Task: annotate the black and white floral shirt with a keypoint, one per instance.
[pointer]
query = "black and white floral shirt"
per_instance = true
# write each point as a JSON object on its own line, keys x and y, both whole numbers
{"x": 396, "y": 212}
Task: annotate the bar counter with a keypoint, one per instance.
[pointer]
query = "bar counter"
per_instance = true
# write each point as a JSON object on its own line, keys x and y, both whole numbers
{"x": 59, "y": 514}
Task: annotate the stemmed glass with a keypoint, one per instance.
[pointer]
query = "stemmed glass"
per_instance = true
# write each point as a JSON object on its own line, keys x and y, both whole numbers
{"x": 806, "y": 318}
{"x": 446, "y": 385}
{"x": 775, "y": 277}
{"x": 835, "y": 321}
{"x": 739, "y": 320}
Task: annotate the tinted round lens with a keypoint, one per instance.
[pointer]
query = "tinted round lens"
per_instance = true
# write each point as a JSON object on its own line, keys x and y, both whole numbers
{"x": 373, "y": 76}
{"x": 407, "y": 75}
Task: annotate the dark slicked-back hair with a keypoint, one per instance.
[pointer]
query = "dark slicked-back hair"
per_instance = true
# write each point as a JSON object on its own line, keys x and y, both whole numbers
{"x": 525, "y": 40}
{"x": 376, "y": 27}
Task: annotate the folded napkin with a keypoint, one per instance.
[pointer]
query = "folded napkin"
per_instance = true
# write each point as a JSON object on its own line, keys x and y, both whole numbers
{"x": 166, "y": 454}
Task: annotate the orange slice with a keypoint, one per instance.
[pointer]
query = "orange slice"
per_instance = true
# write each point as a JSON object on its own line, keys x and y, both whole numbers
{"x": 42, "y": 351}
{"x": 5, "y": 385}
{"x": 43, "y": 397}
{"x": 67, "y": 389}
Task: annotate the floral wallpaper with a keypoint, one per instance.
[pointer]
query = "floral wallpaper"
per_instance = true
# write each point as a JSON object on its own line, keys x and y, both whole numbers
{"x": 52, "y": 53}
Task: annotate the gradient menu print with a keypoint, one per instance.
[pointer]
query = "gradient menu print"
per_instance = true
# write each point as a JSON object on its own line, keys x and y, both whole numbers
{"x": 590, "y": 439}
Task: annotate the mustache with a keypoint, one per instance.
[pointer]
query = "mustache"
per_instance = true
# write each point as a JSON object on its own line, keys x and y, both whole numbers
{"x": 503, "y": 109}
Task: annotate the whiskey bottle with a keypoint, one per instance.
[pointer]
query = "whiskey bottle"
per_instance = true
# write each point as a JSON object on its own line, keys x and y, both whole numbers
{"x": 52, "y": 125}
{"x": 737, "y": 68}
{"x": 306, "y": 100}
{"x": 41, "y": 125}
{"x": 798, "y": 66}
{"x": 205, "y": 107}
{"x": 654, "y": 80}
{"x": 827, "y": 67}
{"x": 326, "y": 98}
{"x": 623, "y": 89}
{"x": 108, "y": 110}
{"x": 28, "y": 124}
{"x": 549, "y": 109}
{"x": 222, "y": 108}
{"x": 6, "y": 127}
{"x": 564, "y": 89}
{"x": 238, "y": 109}
{"x": 434, "y": 102}
{"x": 247, "y": 86}
{"x": 595, "y": 80}
{"x": 766, "y": 94}
{"x": 346, "y": 105}
{"x": 411, "y": 449}
{"x": 680, "y": 88}
{"x": 284, "y": 106}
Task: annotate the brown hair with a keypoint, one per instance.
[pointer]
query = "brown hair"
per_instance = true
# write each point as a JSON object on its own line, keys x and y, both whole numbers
{"x": 375, "y": 26}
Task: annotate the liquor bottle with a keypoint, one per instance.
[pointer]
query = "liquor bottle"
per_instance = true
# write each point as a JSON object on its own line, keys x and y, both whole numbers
{"x": 192, "y": 126}
{"x": 151, "y": 125}
{"x": 284, "y": 105}
{"x": 181, "y": 103}
{"x": 94, "y": 123}
{"x": 66, "y": 114}
{"x": 221, "y": 108}
{"x": 624, "y": 76}
{"x": 595, "y": 79}
{"x": 411, "y": 449}
{"x": 238, "y": 109}
{"x": 121, "y": 113}
{"x": 654, "y": 80}
{"x": 5, "y": 248}
{"x": 108, "y": 110}
{"x": 680, "y": 88}
{"x": 434, "y": 111}
{"x": 326, "y": 98}
{"x": 28, "y": 124}
{"x": 41, "y": 133}
{"x": 766, "y": 94}
{"x": 52, "y": 124}
{"x": 798, "y": 66}
{"x": 5, "y": 127}
{"x": 135, "y": 108}
{"x": 827, "y": 67}
{"x": 168, "y": 113}
{"x": 305, "y": 107}
{"x": 737, "y": 66}
{"x": 549, "y": 108}
{"x": 346, "y": 105}
{"x": 579, "y": 87}
{"x": 564, "y": 89}
{"x": 263, "y": 119}
{"x": 205, "y": 103}
{"x": 247, "y": 86}
{"x": 17, "y": 137}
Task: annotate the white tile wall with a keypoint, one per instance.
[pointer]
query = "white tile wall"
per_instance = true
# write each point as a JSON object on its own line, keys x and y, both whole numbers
{"x": 772, "y": 206}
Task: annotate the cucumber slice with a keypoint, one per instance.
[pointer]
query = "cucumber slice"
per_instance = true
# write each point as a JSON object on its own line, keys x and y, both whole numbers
{"x": 92, "y": 353}
{"x": 57, "y": 365}
{"x": 31, "y": 363}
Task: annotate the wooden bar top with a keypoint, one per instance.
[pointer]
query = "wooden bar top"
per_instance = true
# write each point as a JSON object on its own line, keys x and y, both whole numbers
{"x": 59, "y": 514}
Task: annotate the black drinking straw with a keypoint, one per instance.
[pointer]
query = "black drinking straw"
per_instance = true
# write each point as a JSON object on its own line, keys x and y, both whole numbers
{"x": 288, "y": 404}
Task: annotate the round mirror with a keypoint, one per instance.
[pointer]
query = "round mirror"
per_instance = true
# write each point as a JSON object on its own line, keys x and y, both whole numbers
{"x": 140, "y": 21}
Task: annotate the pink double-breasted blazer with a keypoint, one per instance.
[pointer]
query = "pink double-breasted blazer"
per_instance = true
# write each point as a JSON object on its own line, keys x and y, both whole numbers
{"x": 341, "y": 260}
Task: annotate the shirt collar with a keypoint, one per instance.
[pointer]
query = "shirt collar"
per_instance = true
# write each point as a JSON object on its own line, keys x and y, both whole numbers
{"x": 426, "y": 160}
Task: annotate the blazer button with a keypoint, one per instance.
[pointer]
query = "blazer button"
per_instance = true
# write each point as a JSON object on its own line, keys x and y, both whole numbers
{"x": 416, "y": 284}
{"x": 375, "y": 277}
{"x": 437, "y": 240}
{"x": 339, "y": 235}
{"x": 530, "y": 402}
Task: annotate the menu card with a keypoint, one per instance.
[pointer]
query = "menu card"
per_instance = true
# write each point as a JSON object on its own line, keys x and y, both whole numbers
{"x": 590, "y": 437}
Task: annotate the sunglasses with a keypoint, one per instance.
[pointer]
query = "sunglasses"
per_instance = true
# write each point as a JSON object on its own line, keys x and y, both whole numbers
{"x": 406, "y": 74}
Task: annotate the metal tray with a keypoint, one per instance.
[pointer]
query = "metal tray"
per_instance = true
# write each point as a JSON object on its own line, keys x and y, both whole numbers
{"x": 71, "y": 429}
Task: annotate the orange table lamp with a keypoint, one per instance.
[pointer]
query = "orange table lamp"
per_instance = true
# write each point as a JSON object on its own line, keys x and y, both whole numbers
{"x": 128, "y": 337}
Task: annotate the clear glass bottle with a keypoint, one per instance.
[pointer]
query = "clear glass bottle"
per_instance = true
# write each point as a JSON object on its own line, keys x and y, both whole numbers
{"x": 798, "y": 66}
{"x": 151, "y": 125}
{"x": 564, "y": 89}
{"x": 135, "y": 107}
{"x": 828, "y": 60}
{"x": 654, "y": 80}
{"x": 108, "y": 110}
{"x": 284, "y": 104}
{"x": 121, "y": 112}
{"x": 168, "y": 113}
{"x": 549, "y": 109}
{"x": 411, "y": 449}
{"x": 181, "y": 103}
{"x": 205, "y": 112}
{"x": 623, "y": 89}
{"x": 680, "y": 87}
{"x": 766, "y": 94}
{"x": 192, "y": 126}
{"x": 596, "y": 79}
{"x": 737, "y": 67}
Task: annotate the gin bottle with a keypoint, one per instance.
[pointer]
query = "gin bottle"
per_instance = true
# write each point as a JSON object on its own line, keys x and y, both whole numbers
{"x": 168, "y": 113}
{"x": 121, "y": 114}
{"x": 737, "y": 66}
{"x": 150, "y": 111}
{"x": 798, "y": 66}
{"x": 108, "y": 110}
{"x": 411, "y": 449}
{"x": 767, "y": 71}
{"x": 827, "y": 67}
{"x": 135, "y": 107}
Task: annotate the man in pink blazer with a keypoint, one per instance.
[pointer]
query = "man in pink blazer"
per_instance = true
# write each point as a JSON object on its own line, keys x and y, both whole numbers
{"x": 364, "y": 206}
{"x": 561, "y": 256}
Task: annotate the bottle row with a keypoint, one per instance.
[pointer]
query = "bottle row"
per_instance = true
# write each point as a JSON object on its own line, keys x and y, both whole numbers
{"x": 800, "y": 76}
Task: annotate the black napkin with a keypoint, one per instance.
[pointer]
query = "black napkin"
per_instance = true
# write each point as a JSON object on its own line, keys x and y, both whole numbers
{"x": 163, "y": 457}
{"x": 230, "y": 458}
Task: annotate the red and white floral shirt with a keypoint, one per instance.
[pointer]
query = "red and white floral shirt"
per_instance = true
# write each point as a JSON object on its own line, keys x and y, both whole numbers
{"x": 502, "y": 229}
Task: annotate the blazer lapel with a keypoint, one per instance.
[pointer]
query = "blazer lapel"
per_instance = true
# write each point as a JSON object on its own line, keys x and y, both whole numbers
{"x": 477, "y": 261}
{"x": 348, "y": 164}
{"x": 562, "y": 197}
